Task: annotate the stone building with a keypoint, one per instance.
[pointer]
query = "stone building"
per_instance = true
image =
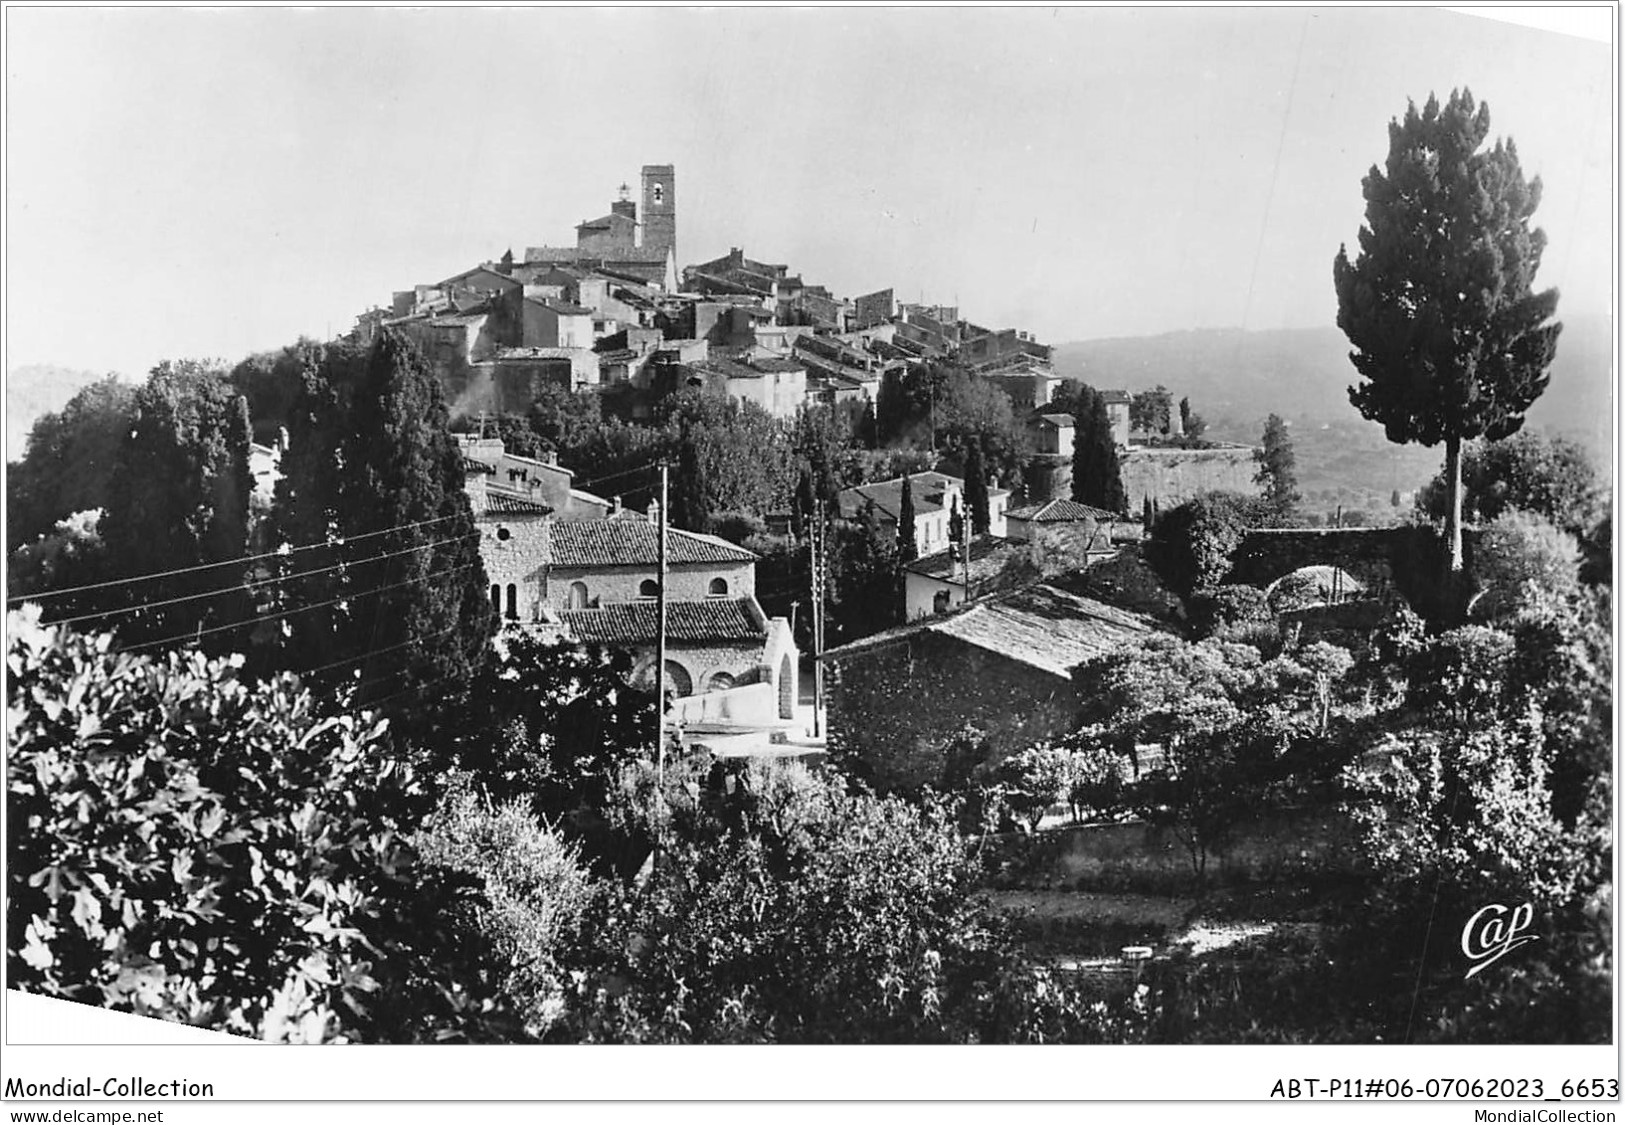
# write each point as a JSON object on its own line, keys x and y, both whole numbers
{"x": 1001, "y": 665}
{"x": 636, "y": 240}
{"x": 934, "y": 495}
{"x": 594, "y": 578}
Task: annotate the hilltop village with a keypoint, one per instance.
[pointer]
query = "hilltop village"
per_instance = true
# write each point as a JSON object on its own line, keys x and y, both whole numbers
{"x": 615, "y": 317}
{"x": 593, "y": 647}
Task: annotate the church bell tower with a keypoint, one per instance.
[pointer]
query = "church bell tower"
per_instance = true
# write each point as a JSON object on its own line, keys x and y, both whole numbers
{"x": 659, "y": 218}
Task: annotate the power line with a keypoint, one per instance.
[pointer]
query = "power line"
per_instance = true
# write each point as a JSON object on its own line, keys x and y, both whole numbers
{"x": 372, "y": 652}
{"x": 614, "y": 476}
{"x": 279, "y": 553}
{"x": 254, "y": 584}
{"x": 260, "y": 618}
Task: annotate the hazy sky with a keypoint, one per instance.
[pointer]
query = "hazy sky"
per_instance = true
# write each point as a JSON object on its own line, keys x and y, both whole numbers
{"x": 210, "y": 183}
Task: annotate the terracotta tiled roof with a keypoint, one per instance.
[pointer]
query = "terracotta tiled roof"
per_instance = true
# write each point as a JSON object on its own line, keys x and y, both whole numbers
{"x": 635, "y": 542}
{"x": 988, "y": 555}
{"x": 509, "y": 504}
{"x": 1122, "y": 397}
{"x": 1059, "y": 419}
{"x": 1061, "y": 511}
{"x": 1043, "y": 627}
{"x": 719, "y": 619}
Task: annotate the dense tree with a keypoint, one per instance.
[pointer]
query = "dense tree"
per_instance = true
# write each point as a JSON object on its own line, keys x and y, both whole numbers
{"x": 868, "y": 431}
{"x": 1449, "y": 335}
{"x": 1097, "y": 478}
{"x": 1192, "y": 423}
{"x": 863, "y": 569}
{"x": 72, "y": 555}
{"x": 1152, "y": 411}
{"x": 392, "y": 596}
{"x": 564, "y": 419}
{"x": 270, "y": 382}
{"x": 1549, "y": 476}
{"x": 907, "y": 544}
{"x": 822, "y": 438}
{"x": 1190, "y": 545}
{"x": 69, "y": 461}
{"x": 689, "y": 492}
{"x": 1278, "y": 469}
{"x": 891, "y": 407}
{"x": 973, "y": 413}
{"x": 976, "y": 493}
{"x": 728, "y": 458}
{"x": 177, "y": 501}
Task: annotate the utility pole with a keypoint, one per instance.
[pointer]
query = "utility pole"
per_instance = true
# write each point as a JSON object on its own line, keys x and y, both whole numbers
{"x": 660, "y": 649}
{"x": 819, "y": 562}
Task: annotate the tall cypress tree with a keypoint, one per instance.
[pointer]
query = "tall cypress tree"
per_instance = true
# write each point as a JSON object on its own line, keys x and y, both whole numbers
{"x": 976, "y": 497}
{"x": 907, "y": 546}
{"x": 1111, "y": 495}
{"x": 1085, "y": 455}
{"x": 1451, "y": 339}
{"x": 1097, "y": 477}
{"x": 397, "y": 601}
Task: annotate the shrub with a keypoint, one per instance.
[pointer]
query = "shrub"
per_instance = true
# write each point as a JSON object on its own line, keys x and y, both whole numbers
{"x": 535, "y": 892}
{"x": 186, "y": 846}
{"x": 1523, "y": 561}
{"x": 1190, "y": 545}
{"x": 1228, "y": 605}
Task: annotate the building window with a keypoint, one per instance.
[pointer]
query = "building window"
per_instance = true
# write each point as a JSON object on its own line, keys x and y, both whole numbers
{"x": 496, "y": 598}
{"x": 719, "y": 588}
{"x": 648, "y": 588}
{"x": 578, "y": 595}
{"x": 660, "y": 194}
{"x": 513, "y": 602}
{"x": 503, "y": 535}
{"x": 719, "y": 681}
{"x": 939, "y": 602}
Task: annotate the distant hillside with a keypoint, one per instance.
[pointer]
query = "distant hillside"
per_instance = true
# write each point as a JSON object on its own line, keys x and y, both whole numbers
{"x": 37, "y": 389}
{"x": 1235, "y": 379}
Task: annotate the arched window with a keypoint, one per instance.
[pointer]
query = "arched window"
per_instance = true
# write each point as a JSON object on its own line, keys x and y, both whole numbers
{"x": 719, "y": 588}
{"x": 648, "y": 588}
{"x": 496, "y": 597}
{"x": 513, "y": 602}
{"x": 578, "y": 595}
{"x": 719, "y": 681}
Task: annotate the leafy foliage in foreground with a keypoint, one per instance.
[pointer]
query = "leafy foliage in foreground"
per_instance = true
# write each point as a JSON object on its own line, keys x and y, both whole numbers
{"x": 187, "y": 846}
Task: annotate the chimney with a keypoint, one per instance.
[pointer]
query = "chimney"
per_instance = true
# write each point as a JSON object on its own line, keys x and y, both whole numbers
{"x": 282, "y": 439}
{"x": 614, "y": 505}
{"x": 654, "y": 511}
